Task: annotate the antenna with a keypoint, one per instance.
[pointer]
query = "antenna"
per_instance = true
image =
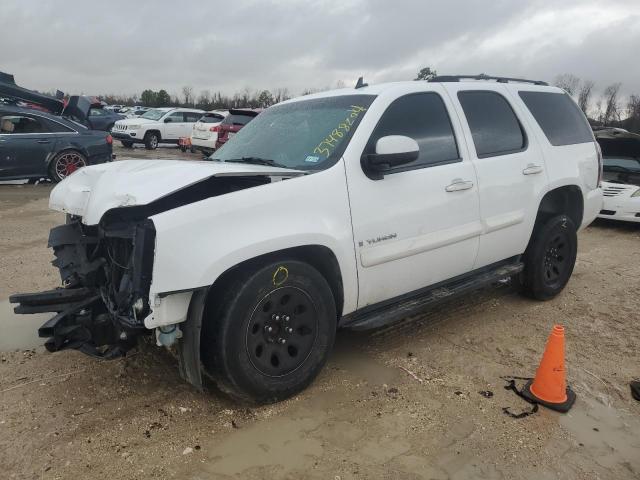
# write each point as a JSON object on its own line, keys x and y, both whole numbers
{"x": 360, "y": 83}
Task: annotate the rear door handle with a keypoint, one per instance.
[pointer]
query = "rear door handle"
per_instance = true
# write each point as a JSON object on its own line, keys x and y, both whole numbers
{"x": 532, "y": 169}
{"x": 459, "y": 184}
{"x": 43, "y": 141}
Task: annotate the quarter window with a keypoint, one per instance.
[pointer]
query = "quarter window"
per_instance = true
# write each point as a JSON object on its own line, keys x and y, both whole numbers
{"x": 493, "y": 124}
{"x": 423, "y": 117}
{"x": 20, "y": 124}
{"x": 562, "y": 122}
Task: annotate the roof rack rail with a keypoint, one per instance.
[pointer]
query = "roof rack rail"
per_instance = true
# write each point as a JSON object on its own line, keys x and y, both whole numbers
{"x": 457, "y": 78}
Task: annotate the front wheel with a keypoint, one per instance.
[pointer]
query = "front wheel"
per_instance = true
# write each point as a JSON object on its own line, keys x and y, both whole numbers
{"x": 270, "y": 332}
{"x": 151, "y": 140}
{"x": 65, "y": 163}
{"x": 550, "y": 258}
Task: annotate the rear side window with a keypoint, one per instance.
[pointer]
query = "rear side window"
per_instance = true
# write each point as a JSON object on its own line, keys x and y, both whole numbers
{"x": 493, "y": 124}
{"x": 237, "y": 119}
{"x": 423, "y": 117}
{"x": 561, "y": 120}
{"x": 211, "y": 118}
{"x": 192, "y": 116}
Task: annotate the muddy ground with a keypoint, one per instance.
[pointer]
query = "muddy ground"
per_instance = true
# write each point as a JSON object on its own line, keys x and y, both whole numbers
{"x": 401, "y": 403}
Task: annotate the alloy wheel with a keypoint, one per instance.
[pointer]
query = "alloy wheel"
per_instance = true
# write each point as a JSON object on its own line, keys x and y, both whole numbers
{"x": 69, "y": 162}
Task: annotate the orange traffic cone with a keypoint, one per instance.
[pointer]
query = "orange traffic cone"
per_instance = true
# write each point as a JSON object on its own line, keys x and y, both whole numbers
{"x": 549, "y": 388}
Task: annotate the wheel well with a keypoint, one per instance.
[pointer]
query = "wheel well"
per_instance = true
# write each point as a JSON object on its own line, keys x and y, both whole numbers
{"x": 566, "y": 200}
{"x": 153, "y": 131}
{"x": 318, "y": 256}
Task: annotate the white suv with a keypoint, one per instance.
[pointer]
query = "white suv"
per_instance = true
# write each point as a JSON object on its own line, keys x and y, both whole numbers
{"x": 205, "y": 132}
{"x": 159, "y": 125}
{"x": 351, "y": 208}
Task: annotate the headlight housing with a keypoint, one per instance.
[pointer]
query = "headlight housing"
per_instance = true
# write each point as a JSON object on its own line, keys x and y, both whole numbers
{"x": 134, "y": 127}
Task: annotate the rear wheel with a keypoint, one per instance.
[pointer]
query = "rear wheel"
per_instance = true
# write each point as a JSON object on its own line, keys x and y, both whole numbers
{"x": 65, "y": 163}
{"x": 271, "y": 332}
{"x": 550, "y": 258}
{"x": 151, "y": 140}
{"x": 126, "y": 144}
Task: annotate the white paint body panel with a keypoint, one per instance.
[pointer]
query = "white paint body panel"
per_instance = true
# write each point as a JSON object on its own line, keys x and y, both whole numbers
{"x": 618, "y": 198}
{"x": 390, "y": 236}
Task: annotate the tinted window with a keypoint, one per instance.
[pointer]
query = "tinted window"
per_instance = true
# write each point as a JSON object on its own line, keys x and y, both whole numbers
{"x": 192, "y": 116}
{"x": 238, "y": 119}
{"x": 561, "y": 120}
{"x": 212, "y": 118}
{"x": 58, "y": 127}
{"x": 20, "y": 124}
{"x": 493, "y": 124}
{"x": 423, "y": 117}
{"x": 177, "y": 117}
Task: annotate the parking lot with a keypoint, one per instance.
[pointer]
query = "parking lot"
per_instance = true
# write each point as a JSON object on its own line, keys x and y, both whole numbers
{"x": 402, "y": 402}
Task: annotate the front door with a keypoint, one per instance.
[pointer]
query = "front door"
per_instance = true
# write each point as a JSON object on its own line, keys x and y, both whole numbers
{"x": 419, "y": 225}
{"x": 175, "y": 126}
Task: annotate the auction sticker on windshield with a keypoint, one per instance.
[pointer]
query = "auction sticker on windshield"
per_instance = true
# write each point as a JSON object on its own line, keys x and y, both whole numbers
{"x": 326, "y": 146}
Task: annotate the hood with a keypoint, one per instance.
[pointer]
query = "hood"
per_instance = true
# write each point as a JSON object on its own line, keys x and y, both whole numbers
{"x": 8, "y": 88}
{"x": 92, "y": 191}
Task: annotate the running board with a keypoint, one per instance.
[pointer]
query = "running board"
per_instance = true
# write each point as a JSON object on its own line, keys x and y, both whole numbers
{"x": 387, "y": 314}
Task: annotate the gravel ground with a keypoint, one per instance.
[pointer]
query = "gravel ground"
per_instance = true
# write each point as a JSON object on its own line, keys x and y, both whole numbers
{"x": 399, "y": 403}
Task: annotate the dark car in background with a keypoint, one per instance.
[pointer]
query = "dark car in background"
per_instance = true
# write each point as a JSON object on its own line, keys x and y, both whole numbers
{"x": 45, "y": 141}
{"x": 101, "y": 118}
{"x": 233, "y": 123}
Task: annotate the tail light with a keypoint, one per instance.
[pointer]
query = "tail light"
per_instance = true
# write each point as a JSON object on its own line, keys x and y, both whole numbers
{"x": 109, "y": 139}
{"x": 215, "y": 129}
{"x": 600, "y": 163}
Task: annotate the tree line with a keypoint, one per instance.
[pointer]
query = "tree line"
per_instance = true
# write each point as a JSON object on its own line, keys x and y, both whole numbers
{"x": 604, "y": 108}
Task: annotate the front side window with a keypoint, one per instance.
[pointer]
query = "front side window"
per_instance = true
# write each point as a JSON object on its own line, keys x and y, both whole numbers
{"x": 423, "y": 117}
{"x": 303, "y": 135}
{"x": 16, "y": 124}
{"x": 494, "y": 126}
{"x": 561, "y": 120}
{"x": 176, "y": 117}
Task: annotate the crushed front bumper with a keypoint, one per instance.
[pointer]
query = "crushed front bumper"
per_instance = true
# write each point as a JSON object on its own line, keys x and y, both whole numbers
{"x": 106, "y": 275}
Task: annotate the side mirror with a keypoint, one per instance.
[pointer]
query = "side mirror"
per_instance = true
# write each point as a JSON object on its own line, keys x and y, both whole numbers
{"x": 391, "y": 151}
{"x": 168, "y": 120}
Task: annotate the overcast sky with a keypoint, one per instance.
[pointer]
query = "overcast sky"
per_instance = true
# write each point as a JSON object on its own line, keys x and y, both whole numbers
{"x": 123, "y": 47}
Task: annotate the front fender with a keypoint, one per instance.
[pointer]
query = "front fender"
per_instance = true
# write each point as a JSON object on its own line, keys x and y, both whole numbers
{"x": 198, "y": 242}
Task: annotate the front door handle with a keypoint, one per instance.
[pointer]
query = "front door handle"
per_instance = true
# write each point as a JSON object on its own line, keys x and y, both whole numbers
{"x": 532, "y": 169}
{"x": 44, "y": 141}
{"x": 459, "y": 184}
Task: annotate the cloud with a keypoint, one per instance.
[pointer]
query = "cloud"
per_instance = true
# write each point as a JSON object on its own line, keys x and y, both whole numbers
{"x": 125, "y": 47}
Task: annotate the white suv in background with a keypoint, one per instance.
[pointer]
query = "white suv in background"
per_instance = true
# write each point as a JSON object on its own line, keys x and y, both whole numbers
{"x": 351, "y": 208}
{"x": 205, "y": 131}
{"x": 159, "y": 125}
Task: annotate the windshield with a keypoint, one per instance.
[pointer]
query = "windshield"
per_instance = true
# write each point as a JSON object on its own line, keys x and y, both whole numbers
{"x": 153, "y": 114}
{"x": 304, "y": 135}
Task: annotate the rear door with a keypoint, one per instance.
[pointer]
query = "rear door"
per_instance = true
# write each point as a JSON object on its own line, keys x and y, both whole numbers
{"x": 26, "y": 141}
{"x": 509, "y": 165}
{"x": 420, "y": 224}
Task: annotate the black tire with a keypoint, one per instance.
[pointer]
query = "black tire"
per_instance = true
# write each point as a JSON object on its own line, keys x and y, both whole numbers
{"x": 243, "y": 333}
{"x": 126, "y": 144}
{"x": 65, "y": 163}
{"x": 151, "y": 140}
{"x": 550, "y": 258}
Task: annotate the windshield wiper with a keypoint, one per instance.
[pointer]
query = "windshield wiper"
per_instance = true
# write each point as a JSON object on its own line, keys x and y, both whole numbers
{"x": 257, "y": 161}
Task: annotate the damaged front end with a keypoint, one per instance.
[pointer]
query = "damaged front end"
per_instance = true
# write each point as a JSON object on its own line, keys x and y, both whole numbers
{"x": 106, "y": 274}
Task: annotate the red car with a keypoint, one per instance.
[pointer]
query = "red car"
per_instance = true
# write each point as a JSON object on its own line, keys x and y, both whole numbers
{"x": 233, "y": 123}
